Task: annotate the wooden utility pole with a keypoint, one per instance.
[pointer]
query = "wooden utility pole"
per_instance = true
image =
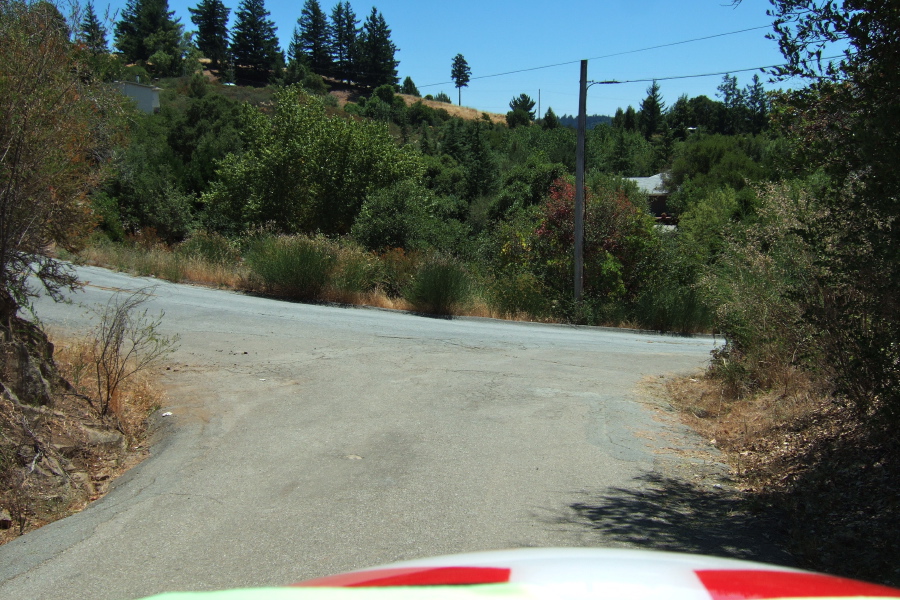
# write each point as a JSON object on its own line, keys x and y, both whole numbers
{"x": 579, "y": 184}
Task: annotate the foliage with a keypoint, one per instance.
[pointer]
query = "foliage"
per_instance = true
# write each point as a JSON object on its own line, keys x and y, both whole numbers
{"x": 409, "y": 88}
{"x": 91, "y": 31}
{"x": 460, "y": 73}
{"x": 254, "y": 44}
{"x": 148, "y": 34}
{"x": 211, "y": 19}
{"x": 650, "y": 117}
{"x": 290, "y": 266}
{"x": 550, "y": 120}
{"x": 312, "y": 38}
{"x": 759, "y": 285}
{"x": 377, "y": 64}
{"x": 440, "y": 286}
{"x": 326, "y": 166}
{"x": 344, "y": 41}
{"x": 55, "y": 135}
{"x": 126, "y": 340}
{"x": 846, "y": 124}
{"x": 441, "y": 97}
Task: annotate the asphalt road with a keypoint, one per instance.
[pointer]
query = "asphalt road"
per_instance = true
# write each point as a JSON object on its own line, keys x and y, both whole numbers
{"x": 307, "y": 440}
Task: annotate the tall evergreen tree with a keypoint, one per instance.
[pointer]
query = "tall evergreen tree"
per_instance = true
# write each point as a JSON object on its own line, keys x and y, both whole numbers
{"x": 312, "y": 38}
{"x": 651, "y": 112}
{"x": 757, "y": 105}
{"x": 409, "y": 87}
{"x": 377, "y": 65}
{"x": 211, "y": 19}
{"x": 254, "y": 45}
{"x": 461, "y": 74}
{"x": 344, "y": 34}
{"x": 734, "y": 102}
{"x": 148, "y": 29}
{"x": 91, "y": 31}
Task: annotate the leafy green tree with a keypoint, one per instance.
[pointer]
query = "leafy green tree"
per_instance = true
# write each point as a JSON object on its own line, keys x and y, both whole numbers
{"x": 377, "y": 64}
{"x": 345, "y": 31}
{"x": 57, "y": 130}
{"x": 303, "y": 171}
{"x": 91, "y": 31}
{"x": 651, "y": 114}
{"x": 409, "y": 88}
{"x": 149, "y": 34}
{"x": 211, "y": 19}
{"x": 848, "y": 125}
{"x": 312, "y": 38}
{"x": 254, "y": 44}
{"x": 460, "y": 73}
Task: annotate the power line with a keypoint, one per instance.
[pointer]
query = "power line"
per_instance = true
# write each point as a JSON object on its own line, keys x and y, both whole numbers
{"x": 670, "y": 78}
{"x": 572, "y": 62}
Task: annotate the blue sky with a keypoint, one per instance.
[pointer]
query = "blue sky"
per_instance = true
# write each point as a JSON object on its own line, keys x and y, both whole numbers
{"x": 499, "y": 37}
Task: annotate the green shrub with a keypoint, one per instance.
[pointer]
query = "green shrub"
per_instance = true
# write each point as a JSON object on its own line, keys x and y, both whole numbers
{"x": 440, "y": 286}
{"x": 513, "y": 294}
{"x": 291, "y": 266}
{"x": 356, "y": 272}
{"x": 211, "y": 247}
{"x": 397, "y": 267}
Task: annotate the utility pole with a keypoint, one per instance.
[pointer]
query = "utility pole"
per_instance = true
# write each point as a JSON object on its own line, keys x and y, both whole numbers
{"x": 579, "y": 184}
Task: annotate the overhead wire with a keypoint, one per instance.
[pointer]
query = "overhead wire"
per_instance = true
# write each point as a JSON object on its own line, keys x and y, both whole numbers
{"x": 572, "y": 62}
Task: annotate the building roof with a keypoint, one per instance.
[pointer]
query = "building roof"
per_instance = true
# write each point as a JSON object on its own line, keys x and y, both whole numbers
{"x": 653, "y": 185}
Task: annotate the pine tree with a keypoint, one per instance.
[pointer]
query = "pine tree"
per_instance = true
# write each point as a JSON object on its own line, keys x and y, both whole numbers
{"x": 91, "y": 32}
{"x": 757, "y": 105}
{"x": 551, "y": 121}
{"x": 147, "y": 29}
{"x": 254, "y": 45}
{"x": 211, "y": 19}
{"x": 652, "y": 108}
{"x": 312, "y": 38}
{"x": 377, "y": 65}
{"x": 344, "y": 34}
{"x": 461, "y": 74}
{"x": 409, "y": 87}
{"x": 735, "y": 107}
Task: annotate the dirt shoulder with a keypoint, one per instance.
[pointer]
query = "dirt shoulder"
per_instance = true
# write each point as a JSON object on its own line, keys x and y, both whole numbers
{"x": 58, "y": 457}
{"x": 829, "y": 475}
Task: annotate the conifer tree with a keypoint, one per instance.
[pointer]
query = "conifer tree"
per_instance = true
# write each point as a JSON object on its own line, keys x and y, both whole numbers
{"x": 312, "y": 38}
{"x": 377, "y": 65}
{"x": 148, "y": 29}
{"x": 551, "y": 121}
{"x": 652, "y": 108}
{"x": 409, "y": 87}
{"x": 461, "y": 74}
{"x": 344, "y": 34}
{"x": 254, "y": 45}
{"x": 211, "y": 19}
{"x": 91, "y": 32}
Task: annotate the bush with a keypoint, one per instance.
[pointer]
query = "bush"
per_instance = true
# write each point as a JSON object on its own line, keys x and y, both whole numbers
{"x": 440, "y": 286}
{"x": 291, "y": 266}
{"x": 356, "y": 272}
{"x": 518, "y": 294}
{"x": 211, "y": 247}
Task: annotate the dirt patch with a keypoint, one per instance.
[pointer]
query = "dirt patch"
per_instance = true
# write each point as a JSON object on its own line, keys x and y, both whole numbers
{"x": 832, "y": 472}
{"x": 57, "y": 458}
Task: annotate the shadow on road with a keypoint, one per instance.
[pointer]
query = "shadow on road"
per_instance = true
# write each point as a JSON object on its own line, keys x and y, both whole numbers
{"x": 677, "y": 516}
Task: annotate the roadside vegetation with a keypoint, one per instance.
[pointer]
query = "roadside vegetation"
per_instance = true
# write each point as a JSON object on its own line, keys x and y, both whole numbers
{"x": 317, "y": 177}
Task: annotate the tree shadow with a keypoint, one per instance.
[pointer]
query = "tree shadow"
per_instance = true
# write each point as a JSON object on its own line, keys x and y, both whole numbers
{"x": 674, "y": 515}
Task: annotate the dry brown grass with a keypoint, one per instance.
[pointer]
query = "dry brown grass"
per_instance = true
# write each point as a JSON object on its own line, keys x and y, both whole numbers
{"x": 136, "y": 397}
{"x": 830, "y": 472}
{"x": 344, "y": 96}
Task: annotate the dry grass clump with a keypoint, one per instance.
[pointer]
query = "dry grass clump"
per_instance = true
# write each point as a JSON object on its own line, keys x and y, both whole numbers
{"x": 135, "y": 399}
{"x": 832, "y": 471}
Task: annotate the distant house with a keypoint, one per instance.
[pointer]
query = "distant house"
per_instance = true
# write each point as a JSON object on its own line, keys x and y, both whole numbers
{"x": 146, "y": 96}
{"x": 655, "y": 189}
